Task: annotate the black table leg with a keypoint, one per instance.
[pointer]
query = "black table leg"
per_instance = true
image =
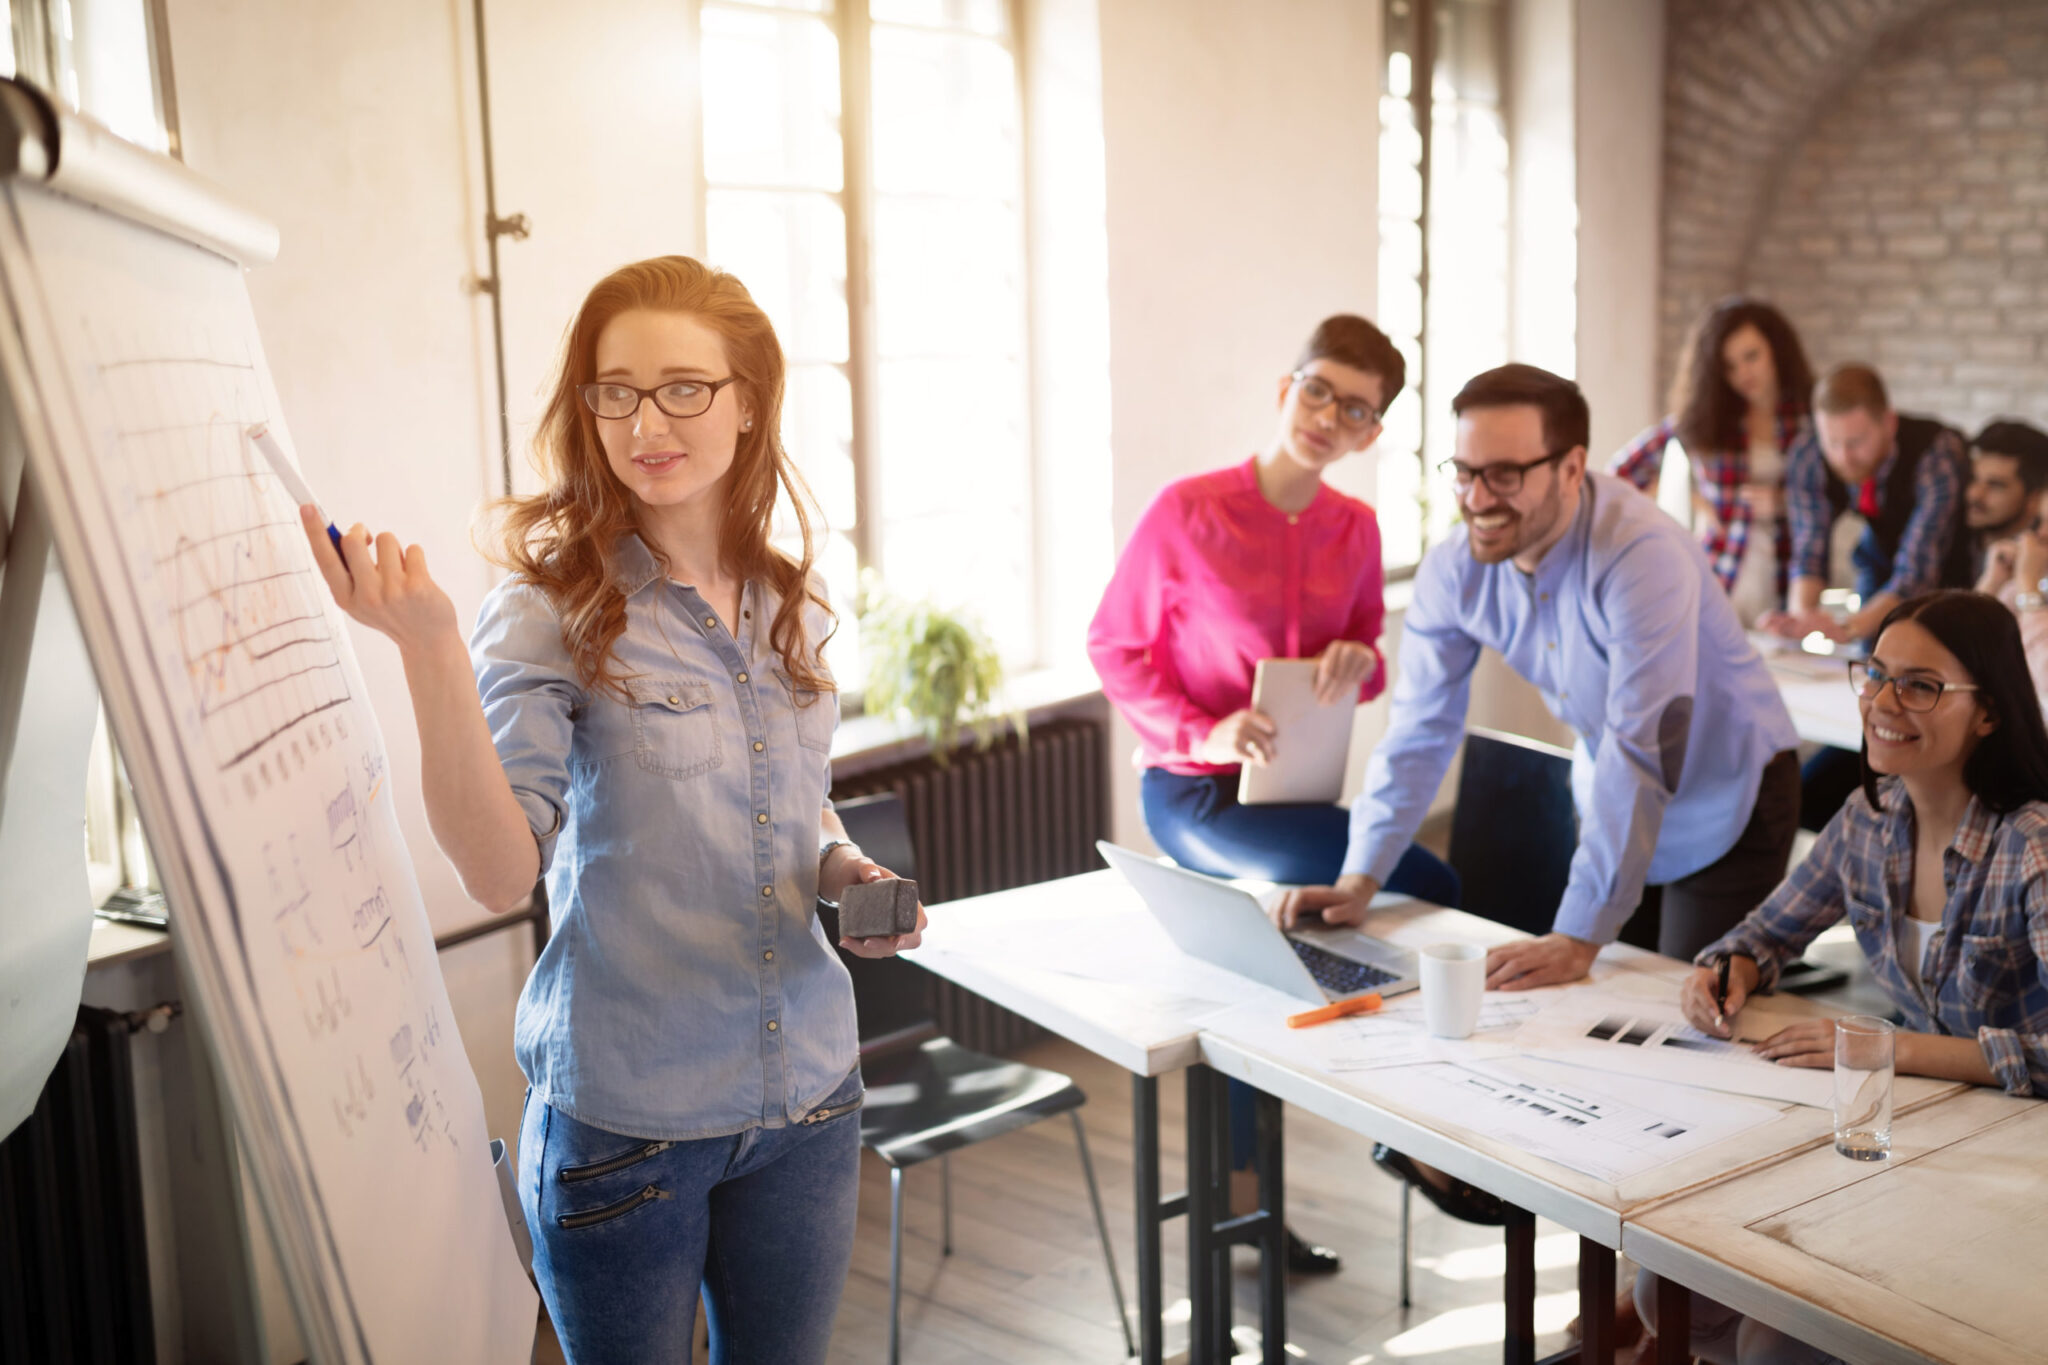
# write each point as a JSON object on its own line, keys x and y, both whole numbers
{"x": 1145, "y": 1175}
{"x": 1208, "y": 1205}
{"x": 1519, "y": 1345}
{"x": 1272, "y": 1235}
{"x": 1596, "y": 1303}
{"x": 1674, "y": 1322}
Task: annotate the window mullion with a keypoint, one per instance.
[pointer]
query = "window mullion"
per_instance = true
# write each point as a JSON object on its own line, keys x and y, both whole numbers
{"x": 857, "y": 200}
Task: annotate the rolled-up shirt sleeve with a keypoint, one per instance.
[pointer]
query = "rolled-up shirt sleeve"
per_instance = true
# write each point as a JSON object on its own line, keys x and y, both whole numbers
{"x": 1809, "y": 900}
{"x": 1425, "y": 723}
{"x": 1806, "y": 508}
{"x": 1641, "y": 461}
{"x": 527, "y": 680}
{"x": 1916, "y": 568}
{"x": 1650, "y": 598}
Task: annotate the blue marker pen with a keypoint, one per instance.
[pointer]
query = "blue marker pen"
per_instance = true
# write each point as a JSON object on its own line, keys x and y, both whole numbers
{"x": 259, "y": 436}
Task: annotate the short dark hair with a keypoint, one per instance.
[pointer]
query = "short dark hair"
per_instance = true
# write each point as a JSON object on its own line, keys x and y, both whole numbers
{"x": 2017, "y": 441}
{"x": 1711, "y": 414}
{"x": 2009, "y": 768}
{"x": 1350, "y": 340}
{"x": 1566, "y": 422}
{"x": 1846, "y": 388}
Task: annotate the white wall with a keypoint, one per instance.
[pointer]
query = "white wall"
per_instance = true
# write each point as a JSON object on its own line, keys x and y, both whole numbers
{"x": 1619, "y": 60}
{"x": 1242, "y": 143}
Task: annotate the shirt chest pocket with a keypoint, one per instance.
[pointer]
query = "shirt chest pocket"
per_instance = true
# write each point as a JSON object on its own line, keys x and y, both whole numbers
{"x": 817, "y": 714}
{"x": 675, "y": 727}
{"x": 1987, "y": 973}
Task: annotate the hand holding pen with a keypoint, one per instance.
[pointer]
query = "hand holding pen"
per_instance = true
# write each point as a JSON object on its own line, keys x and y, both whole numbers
{"x": 379, "y": 583}
{"x": 1712, "y": 996}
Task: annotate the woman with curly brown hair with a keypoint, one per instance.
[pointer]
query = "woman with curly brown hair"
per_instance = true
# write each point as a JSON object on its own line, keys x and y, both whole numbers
{"x": 653, "y": 737}
{"x": 1739, "y": 406}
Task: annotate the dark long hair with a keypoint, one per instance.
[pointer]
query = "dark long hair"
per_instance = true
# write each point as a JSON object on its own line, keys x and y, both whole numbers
{"x": 2010, "y": 767}
{"x": 1711, "y": 414}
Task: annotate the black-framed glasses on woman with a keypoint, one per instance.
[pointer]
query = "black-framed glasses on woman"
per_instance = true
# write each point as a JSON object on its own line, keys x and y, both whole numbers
{"x": 1316, "y": 394}
{"x": 1501, "y": 479}
{"x": 1914, "y": 694}
{"x": 678, "y": 398}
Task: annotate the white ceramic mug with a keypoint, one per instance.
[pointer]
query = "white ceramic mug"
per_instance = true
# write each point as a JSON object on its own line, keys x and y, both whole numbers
{"x": 1453, "y": 980}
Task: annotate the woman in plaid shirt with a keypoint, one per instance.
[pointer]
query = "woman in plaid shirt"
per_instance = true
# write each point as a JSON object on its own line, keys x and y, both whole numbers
{"x": 1940, "y": 864}
{"x": 1740, "y": 405}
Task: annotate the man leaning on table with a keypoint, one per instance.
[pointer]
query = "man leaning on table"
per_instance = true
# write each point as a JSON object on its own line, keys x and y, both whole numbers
{"x": 1685, "y": 777}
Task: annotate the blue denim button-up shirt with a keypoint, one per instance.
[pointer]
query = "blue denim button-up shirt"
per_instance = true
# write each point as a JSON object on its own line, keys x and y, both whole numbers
{"x": 688, "y": 990}
{"x": 1634, "y": 645}
{"x": 1986, "y": 969}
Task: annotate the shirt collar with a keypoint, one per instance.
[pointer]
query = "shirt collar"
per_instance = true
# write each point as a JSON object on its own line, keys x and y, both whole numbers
{"x": 1249, "y": 471}
{"x": 633, "y": 564}
{"x": 1974, "y": 833}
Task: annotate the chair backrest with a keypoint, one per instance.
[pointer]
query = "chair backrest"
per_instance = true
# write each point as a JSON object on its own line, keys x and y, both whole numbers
{"x": 1514, "y": 830}
{"x": 891, "y": 997}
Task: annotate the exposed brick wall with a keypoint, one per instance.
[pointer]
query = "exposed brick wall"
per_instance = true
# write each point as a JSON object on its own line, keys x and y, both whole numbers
{"x": 1910, "y": 226}
{"x": 1744, "y": 80}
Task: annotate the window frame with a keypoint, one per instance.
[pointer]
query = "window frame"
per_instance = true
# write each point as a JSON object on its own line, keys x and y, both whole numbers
{"x": 852, "y": 25}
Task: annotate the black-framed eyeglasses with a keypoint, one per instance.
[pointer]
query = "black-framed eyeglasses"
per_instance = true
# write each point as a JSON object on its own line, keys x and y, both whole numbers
{"x": 1914, "y": 694}
{"x": 1316, "y": 393}
{"x": 678, "y": 398}
{"x": 1501, "y": 480}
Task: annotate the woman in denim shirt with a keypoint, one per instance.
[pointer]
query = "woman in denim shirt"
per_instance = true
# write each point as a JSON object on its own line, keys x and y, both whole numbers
{"x": 1940, "y": 864}
{"x": 654, "y": 739}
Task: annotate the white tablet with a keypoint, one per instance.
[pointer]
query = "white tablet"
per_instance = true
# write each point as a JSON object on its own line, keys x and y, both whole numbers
{"x": 1313, "y": 740}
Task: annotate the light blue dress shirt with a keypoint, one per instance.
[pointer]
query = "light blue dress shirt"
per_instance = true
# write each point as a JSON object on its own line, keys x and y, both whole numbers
{"x": 1634, "y": 645}
{"x": 688, "y": 990}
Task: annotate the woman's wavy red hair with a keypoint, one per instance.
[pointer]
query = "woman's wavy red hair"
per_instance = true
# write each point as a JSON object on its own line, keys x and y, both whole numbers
{"x": 565, "y": 539}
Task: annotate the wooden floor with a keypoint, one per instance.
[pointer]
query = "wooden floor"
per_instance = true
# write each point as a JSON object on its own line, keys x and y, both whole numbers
{"x": 1026, "y": 1281}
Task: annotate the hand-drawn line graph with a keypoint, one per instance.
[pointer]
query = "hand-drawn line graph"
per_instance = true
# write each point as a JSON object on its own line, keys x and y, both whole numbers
{"x": 224, "y": 548}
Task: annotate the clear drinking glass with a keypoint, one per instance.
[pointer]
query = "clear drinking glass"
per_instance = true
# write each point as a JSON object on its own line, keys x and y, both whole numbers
{"x": 1863, "y": 1087}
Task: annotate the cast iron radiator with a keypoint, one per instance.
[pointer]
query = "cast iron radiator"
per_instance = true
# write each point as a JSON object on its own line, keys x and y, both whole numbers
{"x": 1009, "y": 815}
{"x": 74, "y": 1273}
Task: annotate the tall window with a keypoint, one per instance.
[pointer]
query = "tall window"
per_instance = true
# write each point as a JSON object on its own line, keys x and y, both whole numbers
{"x": 1443, "y": 267}
{"x": 109, "y": 60}
{"x": 864, "y": 168}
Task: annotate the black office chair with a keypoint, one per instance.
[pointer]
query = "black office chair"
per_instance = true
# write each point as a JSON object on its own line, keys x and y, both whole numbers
{"x": 926, "y": 1095}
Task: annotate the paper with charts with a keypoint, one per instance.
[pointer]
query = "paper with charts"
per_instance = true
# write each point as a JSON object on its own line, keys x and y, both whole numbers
{"x": 309, "y": 943}
{"x": 1607, "y": 1127}
{"x": 1612, "y": 1030}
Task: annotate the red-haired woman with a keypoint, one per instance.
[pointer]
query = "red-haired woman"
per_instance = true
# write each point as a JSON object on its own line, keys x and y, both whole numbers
{"x": 1739, "y": 405}
{"x": 653, "y": 736}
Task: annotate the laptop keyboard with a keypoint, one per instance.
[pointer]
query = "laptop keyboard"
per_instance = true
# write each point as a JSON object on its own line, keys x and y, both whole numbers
{"x": 1345, "y": 976}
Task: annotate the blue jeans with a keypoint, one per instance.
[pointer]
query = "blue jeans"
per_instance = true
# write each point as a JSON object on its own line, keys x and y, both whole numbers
{"x": 1197, "y": 822}
{"x": 626, "y": 1230}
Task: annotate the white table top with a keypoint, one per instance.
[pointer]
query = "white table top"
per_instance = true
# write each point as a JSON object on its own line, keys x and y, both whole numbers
{"x": 1082, "y": 957}
{"x": 1932, "y": 1256}
{"x": 1816, "y": 691}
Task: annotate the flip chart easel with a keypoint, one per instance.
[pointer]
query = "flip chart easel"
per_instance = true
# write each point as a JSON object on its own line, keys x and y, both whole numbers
{"x": 130, "y": 354}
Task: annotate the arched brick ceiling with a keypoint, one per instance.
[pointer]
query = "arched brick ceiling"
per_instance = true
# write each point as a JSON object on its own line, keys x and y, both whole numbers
{"x": 1744, "y": 81}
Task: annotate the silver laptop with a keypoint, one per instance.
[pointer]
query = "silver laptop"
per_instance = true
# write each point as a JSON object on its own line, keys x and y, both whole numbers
{"x": 1217, "y": 922}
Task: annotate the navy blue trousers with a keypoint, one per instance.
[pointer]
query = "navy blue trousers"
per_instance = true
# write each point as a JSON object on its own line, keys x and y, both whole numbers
{"x": 1197, "y": 822}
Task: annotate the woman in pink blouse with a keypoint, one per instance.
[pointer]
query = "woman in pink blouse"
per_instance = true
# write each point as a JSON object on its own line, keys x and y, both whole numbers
{"x": 1257, "y": 561}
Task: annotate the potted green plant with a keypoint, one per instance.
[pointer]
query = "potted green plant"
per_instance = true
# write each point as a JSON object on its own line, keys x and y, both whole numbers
{"x": 935, "y": 666}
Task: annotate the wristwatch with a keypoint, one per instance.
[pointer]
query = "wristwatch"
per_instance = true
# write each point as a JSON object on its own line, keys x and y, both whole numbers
{"x": 2031, "y": 600}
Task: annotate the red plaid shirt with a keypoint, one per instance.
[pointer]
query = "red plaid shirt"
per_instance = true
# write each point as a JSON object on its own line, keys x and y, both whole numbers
{"x": 1718, "y": 476}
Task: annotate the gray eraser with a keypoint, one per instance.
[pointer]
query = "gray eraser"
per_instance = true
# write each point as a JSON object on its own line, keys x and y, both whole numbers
{"x": 874, "y": 909}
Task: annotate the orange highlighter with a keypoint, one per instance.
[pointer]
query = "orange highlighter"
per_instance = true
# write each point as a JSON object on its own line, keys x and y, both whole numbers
{"x": 1357, "y": 1004}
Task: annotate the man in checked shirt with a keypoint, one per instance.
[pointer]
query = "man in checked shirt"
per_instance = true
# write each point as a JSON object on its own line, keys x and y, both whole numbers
{"x": 1902, "y": 479}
